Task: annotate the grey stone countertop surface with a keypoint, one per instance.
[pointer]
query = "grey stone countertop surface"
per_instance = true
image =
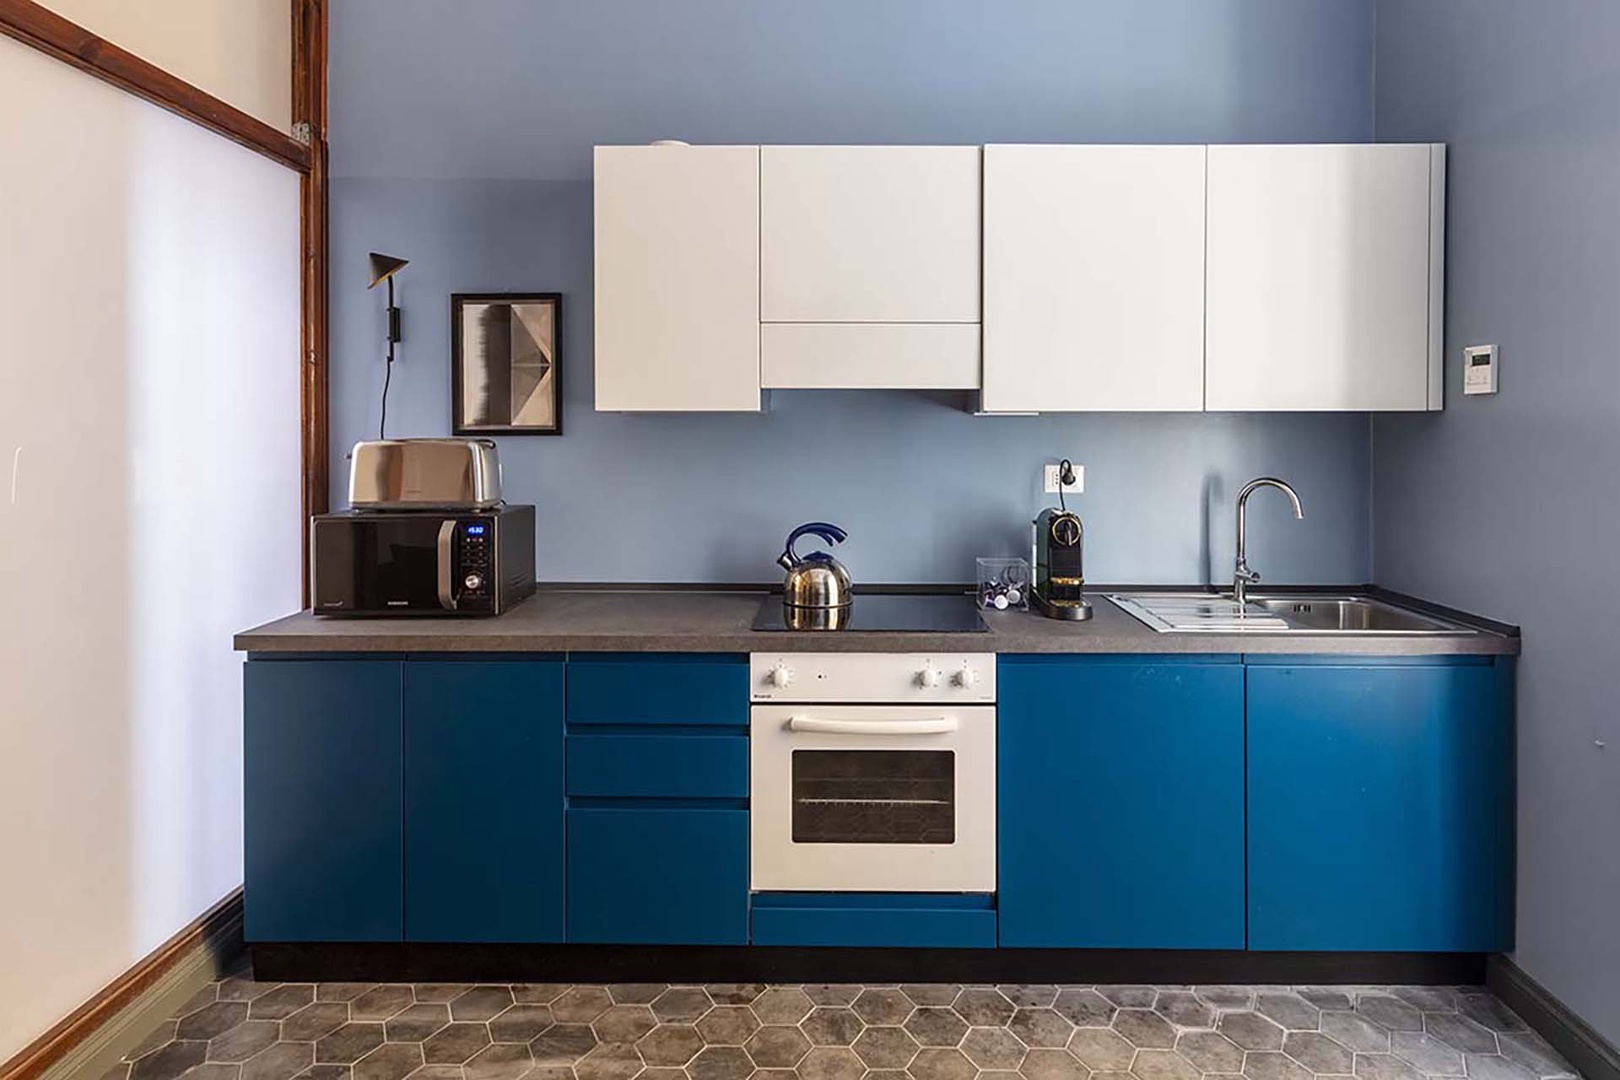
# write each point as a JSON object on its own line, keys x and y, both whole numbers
{"x": 687, "y": 620}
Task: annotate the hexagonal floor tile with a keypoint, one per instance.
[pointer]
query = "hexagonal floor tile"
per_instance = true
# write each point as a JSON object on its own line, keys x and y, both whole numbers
{"x": 1164, "y": 1065}
{"x": 624, "y": 1023}
{"x": 520, "y": 1023}
{"x": 832, "y": 1025}
{"x": 832, "y": 993}
{"x": 735, "y": 993}
{"x": 390, "y": 1061}
{"x": 1183, "y": 1009}
{"x": 507, "y": 1061}
{"x": 782, "y": 1005}
{"x": 417, "y": 1022}
{"x": 562, "y": 1044}
{"x": 777, "y": 1046}
{"x": 935, "y": 1025}
{"x": 381, "y": 1002}
{"x": 1425, "y": 1053}
{"x": 670, "y": 1044}
{"x": 1145, "y": 1029}
{"x": 1211, "y": 1051}
{"x": 1040, "y": 1027}
{"x": 940, "y": 1063}
{"x": 635, "y": 993}
{"x": 720, "y": 1063}
{"x": 1389, "y": 1011}
{"x": 486, "y": 1002}
{"x": 828, "y": 1063}
{"x": 681, "y": 1003}
{"x": 1084, "y": 1007}
{"x": 452, "y": 1044}
{"x": 993, "y": 1048}
{"x": 1319, "y": 1053}
{"x": 880, "y": 1006}
{"x": 728, "y": 1025}
{"x": 1270, "y": 1065}
{"x": 930, "y": 993}
{"x": 1048, "y": 1064}
{"x": 349, "y": 1044}
{"x": 1356, "y": 1032}
{"x": 885, "y": 1047}
{"x": 615, "y": 1061}
{"x": 1250, "y": 1031}
{"x": 580, "y": 1004}
{"x": 1029, "y": 995}
{"x": 983, "y": 1006}
{"x": 1102, "y": 1049}
{"x": 1290, "y": 1011}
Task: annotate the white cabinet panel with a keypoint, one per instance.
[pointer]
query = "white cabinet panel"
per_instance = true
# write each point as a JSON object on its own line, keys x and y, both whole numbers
{"x": 1323, "y": 277}
{"x": 869, "y": 356}
{"x": 677, "y": 278}
{"x": 869, "y": 233}
{"x": 1093, "y": 278}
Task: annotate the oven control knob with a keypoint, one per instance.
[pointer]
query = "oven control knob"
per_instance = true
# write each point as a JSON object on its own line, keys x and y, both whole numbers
{"x": 966, "y": 677}
{"x": 781, "y": 675}
{"x": 928, "y": 677}
{"x": 474, "y": 582}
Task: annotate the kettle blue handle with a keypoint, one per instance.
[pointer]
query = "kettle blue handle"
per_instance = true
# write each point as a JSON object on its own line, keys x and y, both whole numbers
{"x": 830, "y": 533}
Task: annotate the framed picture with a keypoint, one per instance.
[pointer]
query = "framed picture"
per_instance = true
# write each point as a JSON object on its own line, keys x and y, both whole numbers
{"x": 505, "y": 370}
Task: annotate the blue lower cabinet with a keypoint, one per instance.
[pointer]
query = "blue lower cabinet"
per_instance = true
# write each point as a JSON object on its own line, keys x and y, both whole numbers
{"x": 321, "y": 778}
{"x": 658, "y": 874}
{"x": 959, "y": 921}
{"x": 1120, "y": 804}
{"x": 484, "y": 841}
{"x": 1381, "y": 806}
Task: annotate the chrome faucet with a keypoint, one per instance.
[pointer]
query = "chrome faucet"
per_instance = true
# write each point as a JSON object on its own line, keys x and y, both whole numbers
{"x": 1242, "y": 576}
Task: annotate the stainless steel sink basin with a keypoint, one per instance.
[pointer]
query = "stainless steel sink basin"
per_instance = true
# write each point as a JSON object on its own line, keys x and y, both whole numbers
{"x": 1274, "y": 614}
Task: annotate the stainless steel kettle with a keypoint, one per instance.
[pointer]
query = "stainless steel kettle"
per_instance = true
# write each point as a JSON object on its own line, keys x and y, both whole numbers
{"x": 816, "y": 580}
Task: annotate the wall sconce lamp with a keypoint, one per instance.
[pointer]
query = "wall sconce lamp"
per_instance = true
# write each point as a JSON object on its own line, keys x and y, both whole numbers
{"x": 383, "y": 268}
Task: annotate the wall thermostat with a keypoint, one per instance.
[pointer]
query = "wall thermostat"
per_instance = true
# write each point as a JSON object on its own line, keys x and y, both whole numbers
{"x": 1479, "y": 369}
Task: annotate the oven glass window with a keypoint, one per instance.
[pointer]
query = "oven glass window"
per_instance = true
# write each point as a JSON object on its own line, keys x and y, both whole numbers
{"x": 874, "y": 797}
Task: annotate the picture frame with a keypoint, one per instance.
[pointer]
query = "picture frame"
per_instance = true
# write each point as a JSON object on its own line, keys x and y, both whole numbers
{"x": 506, "y": 363}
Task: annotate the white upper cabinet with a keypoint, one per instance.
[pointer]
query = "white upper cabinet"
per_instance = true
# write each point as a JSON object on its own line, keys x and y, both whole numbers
{"x": 1324, "y": 277}
{"x": 869, "y": 234}
{"x": 677, "y": 278}
{"x": 1093, "y": 278}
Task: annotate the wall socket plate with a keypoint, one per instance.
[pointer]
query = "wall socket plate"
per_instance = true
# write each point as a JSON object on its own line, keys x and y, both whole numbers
{"x": 1050, "y": 478}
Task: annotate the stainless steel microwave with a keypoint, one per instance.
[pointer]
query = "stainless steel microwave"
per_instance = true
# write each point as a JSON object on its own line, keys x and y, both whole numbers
{"x": 469, "y": 562}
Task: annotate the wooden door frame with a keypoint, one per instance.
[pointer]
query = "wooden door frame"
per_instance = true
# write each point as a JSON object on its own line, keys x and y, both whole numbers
{"x": 303, "y": 150}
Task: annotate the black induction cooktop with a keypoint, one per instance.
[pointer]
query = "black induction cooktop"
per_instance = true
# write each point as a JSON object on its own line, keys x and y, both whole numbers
{"x": 878, "y": 612}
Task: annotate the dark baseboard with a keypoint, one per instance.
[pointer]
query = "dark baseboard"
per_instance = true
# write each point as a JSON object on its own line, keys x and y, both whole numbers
{"x": 423, "y": 962}
{"x": 214, "y": 937}
{"x": 1593, "y": 1056}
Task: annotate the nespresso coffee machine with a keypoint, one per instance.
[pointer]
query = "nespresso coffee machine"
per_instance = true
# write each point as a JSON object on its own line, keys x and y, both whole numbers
{"x": 1060, "y": 579}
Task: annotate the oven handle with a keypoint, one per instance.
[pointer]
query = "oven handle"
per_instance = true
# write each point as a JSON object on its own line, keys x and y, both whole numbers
{"x": 940, "y": 725}
{"x": 447, "y": 536}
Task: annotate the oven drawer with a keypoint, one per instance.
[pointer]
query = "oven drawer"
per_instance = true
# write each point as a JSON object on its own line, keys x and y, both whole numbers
{"x": 658, "y": 875}
{"x": 699, "y": 690}
{"x": 915, "y": 920}
{"x": 651, "y": 766}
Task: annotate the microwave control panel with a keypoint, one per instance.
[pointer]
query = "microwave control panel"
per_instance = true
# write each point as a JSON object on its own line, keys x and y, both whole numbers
{"x": 474, "y": 565}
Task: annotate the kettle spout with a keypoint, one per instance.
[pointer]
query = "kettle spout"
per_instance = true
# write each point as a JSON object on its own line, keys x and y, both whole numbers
{"x": 787, "y": 560}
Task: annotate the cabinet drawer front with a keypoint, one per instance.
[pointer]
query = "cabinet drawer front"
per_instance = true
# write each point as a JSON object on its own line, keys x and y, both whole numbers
{"x": 874, "y": 920}
{"x": 695, "y": 766}
{"x": 869, "y": 356}
{"x": 658, "y": 690}
{"x": 658, "y": 875}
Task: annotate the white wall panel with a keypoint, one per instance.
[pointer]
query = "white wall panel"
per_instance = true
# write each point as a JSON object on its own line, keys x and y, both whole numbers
{"x": 149, "y": 507}
{"x": 238, "y": 50}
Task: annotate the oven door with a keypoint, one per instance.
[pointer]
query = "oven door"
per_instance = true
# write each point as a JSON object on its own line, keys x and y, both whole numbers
{"x": 896, "y": 798}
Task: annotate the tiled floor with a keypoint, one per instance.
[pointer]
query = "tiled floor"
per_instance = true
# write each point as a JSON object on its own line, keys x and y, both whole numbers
{"x": 243, "y": 1030}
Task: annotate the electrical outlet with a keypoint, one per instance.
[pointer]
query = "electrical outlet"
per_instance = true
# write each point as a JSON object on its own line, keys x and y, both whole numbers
{"x": 1051, "y": 480}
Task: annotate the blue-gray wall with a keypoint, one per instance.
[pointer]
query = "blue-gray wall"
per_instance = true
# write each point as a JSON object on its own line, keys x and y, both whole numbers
{"x": 1507, "y": 505}
{"x": 461, "y": 137}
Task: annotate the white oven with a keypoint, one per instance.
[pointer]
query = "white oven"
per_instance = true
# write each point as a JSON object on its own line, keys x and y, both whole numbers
{"x": 873, "y": 772}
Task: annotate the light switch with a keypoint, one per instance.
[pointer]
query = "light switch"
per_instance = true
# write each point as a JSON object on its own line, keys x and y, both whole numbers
{"x": 1479, "y": 369}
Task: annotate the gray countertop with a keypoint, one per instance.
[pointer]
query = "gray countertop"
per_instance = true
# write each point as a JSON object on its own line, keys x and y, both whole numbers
{"x": 685, "y": 620}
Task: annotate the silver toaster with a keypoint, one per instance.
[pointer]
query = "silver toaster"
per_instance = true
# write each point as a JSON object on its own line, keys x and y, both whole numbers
{"x": 422, "y": 474}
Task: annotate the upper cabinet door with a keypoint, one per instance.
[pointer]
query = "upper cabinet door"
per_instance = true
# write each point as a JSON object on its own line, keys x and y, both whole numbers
{"x": 1093, "y": 278}
{"x": 677, "y": 278}
{"x": 869, "y": 234}
{"x": 1324, "y": 277}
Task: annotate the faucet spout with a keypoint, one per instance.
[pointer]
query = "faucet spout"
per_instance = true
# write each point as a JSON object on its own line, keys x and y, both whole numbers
{"x": 1242, "y": 575}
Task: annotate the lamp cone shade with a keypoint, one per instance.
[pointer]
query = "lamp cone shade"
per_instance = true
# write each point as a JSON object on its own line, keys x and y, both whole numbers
{"x": 384, "y": 267}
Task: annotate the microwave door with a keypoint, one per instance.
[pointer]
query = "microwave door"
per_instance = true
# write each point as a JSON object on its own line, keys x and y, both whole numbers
{"x": 379, "y": 564}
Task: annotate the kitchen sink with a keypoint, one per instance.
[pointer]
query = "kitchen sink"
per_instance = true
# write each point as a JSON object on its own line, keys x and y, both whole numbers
{"x": 1279, "y": 614}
